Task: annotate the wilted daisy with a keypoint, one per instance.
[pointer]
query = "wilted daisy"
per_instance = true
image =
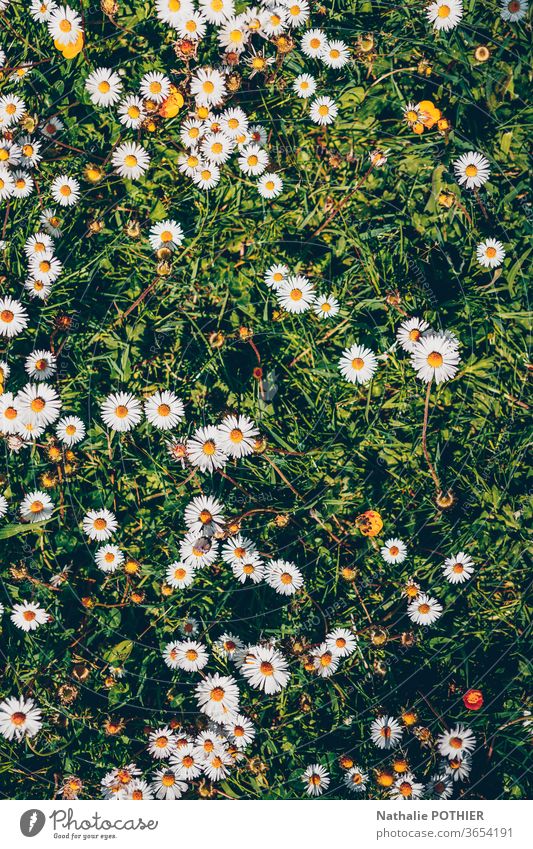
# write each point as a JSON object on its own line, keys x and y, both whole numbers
{"x": 296, "y": 294}
{"x": 445, "y": 14}
{"x": 410, "y": 332}
{"x": 435, "y": 357}
{"x": 457, "y": 742}
{"x": 424, "y": 610}
{"x": 155, "y": 86}
{"x": 121, "y": 411}
{"x": 70, "y": 430}
{"x": 40, "y": 365}
{"x": 204, "y": 449}
{"x": 13, "y": 317}
{"x": 316, "y": 779}
{"x": 51, "y": 222}
{"x": 406, "y": 787}
{"x": 490, "y": 253}
{"x": 237, "y": 435}
{"x": 326, "y": 306}
{"x": 386, "y": 732}
{"x": 19, "y": 718}
{"x": 99, "y": 524}
{"x": 108, "y": 558}
{"x": 104, "y": 87}
{"x": 458, "y": 568}
{"x": 166, "y": 784}
{"x": 472, "y": 170}
{"x": 28, "y": 616}
{"x": 65, "y": 190}
{"x": 204, "y": 514}
{"x": 180, "y": 575}
{"x": 394, "y": 551}
{"x": 323, "y": 110}
{"x": 355, "y": 779}
{"x": 37, "y": 506}
{"x": 358, "y": 364}
{"x": 130, "y": 160}
{"x": 191, "y": 656}
{"x": 284, "y": 577}
{"x": 164, "y": 410}
{"x": 266, "y": 669}
{"x": 341, "y": 642}
{"x": 513, "y": 10}
{"x": 218, "y": 697}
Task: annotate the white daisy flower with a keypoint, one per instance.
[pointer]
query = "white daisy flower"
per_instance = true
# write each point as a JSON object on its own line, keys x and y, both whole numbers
{"x": 40, "y": 365}
{"x": 39, "y": 244}
{"x": 191, "y": 132}
{"x": 297, "y": 12}
{"x": 440, "y": 786}
{"x": 269, "y": 185}
{"x": 237, "y": 435}
{"x": 51, "y": 222}
{"x": 171, "y": 11}
{"x": 215, "y": 765}
{"x": 121, "y": 411}
{"x": 394, "y": 551}
{"x": 166, "y": 784}
{"x": 7, "y": 184}
{"x": 37, "y": 288}
{"x": 218, "y": 697}
{"x": 164, "y": 409}
{"x": 341, "y": 642}
{"x": 284, "y": 577}
{"x": 19, "y": 718}
{"x": 358, "y": 364}
{"x": 217, "y": 147}
{"x": 155, "y": 86}
{"x": 65, "y": 190}
{"x": 198, "y": 550}
{"x": 161, "y": 743}
{"x": 186, "y": 763}
{"x": 138, "y": 789}
{"x": 29, "y": 150}
{"x": 296, "y": 294}
{"x": 13, "y": 317}
{"x": 191, "y": 656}
{"x": 208, "y": 87}
{"x": 304, "y": 85}
{"x": 28, "y": 616}
{"x": 217, "y": 11}
{"x": 490, "y": 253}
{"x": 23, "y": 184}
{"x": 335, "y": 54}
{"x": 4, "y": 506}
{"x": 435, "y": 357}
{"x": 276, "y": 274}
{"x": 458, "y": 768}
{"x": 241, "y": 731}
{"x": 40, "y": 10}
{"x": 233, "y": 122}
{"x": 458, "y": 568}
{"x": 99, "y": 524}
{"x": 513, "y": 10}
{"x": 233, "y": 35}
{"x": 37, "y": 506}
{"x": 445, "y": 14}
{"x": 64, "y": 25}
{"x": 250, "y": 566}
{"x": 325, "y": 660}
{"x": 258, "y": 134}
{"x": 274, "y": 21}
{"x": 410, "y": 332}
{"x": 253, "y": 160}
{"x": 204, "y": 449}
{"x": 326, "y": 306}
{"x": 39, "y": 403}
{"x": 405, "y": 787}
{"x": 12, "y": 108}
{"x": 238, "y": 548}
{"x": 424, "y": 610}
{"x": 472, "y": 170}
{"x": 192, "y": 26}
{"x": 180, "y": 575}
{"x": 188, "y": 163}
{"x": 204, "y": 514}
{"x": 266, "y": 669}
{"x": 458, "y": 742}
{"x": 45, "y": 267}
{"x": 108, "y": 558}
{"x": 10, "y": 153}
{"x": 206, "y": 176}
{"x": 316, "y": 779}
{"x": 131, "y": 112}
{"x": 70, "y": 430}
{"x": 10, "y": 413}
{"x": 323, "y": 111}
{"x": 130, "y": 160}
{"x": 104, "y": 87}
{"x": 356, "y": 780}
{"x": 386, "y": 732}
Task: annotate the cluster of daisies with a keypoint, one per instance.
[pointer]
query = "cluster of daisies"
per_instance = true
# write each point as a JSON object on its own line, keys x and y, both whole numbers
{"x": 455, "y": 748}
{"x": 446, "y": 15}
{"x": 296, "y": 294}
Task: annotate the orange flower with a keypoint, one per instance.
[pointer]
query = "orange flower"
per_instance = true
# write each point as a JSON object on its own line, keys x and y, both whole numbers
{"x": 369, "y": 523}
{"x": 473, "y": 699}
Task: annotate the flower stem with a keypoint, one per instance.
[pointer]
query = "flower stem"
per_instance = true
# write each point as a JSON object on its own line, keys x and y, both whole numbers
{"x": 424, "y": 442}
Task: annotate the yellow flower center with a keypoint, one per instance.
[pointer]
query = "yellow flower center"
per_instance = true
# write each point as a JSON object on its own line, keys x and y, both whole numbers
{"x": 130, "y": 160}
{"x": 471, "y": 170}
{"x": 435, "y": 360}
{"x": 357, "y": 363}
